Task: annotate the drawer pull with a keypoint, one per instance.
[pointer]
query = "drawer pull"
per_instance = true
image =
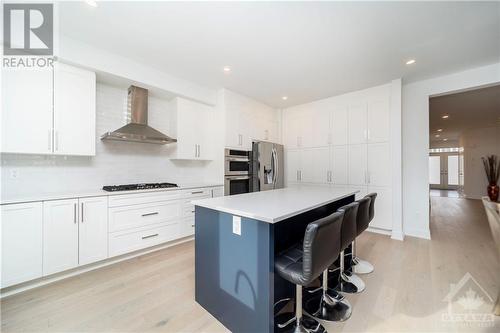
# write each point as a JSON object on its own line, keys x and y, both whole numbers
{"x": 149, "y": 214}
{"x": 197, "y": 192}
{"x": 150, "y": 236}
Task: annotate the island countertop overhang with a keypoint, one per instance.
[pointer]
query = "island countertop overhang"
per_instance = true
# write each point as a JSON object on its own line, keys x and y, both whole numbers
{"x": 277, "y": 205}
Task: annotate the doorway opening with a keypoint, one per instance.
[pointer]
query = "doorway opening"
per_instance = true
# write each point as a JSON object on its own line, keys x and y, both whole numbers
{"x": 463, "y": 128}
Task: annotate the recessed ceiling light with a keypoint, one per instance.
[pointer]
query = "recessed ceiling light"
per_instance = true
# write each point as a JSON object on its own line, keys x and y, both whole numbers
{"x": 91, "y": 3}
{"x": 227, "y": 69}
{"x": 445, "y": 139}
{"x": 445, "y": 116}
{"x": 284, "y": 98}
{"x": 440, "y": 129}
{"x": 411, "y": 62}
{"x": 437, "y": 135}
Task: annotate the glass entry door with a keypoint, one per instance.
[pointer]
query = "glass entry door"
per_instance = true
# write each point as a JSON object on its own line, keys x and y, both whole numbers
{"x": 444, "y": 171}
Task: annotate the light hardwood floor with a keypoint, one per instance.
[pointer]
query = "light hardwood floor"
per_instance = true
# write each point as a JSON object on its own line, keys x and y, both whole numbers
{"x": 155, "y": 292}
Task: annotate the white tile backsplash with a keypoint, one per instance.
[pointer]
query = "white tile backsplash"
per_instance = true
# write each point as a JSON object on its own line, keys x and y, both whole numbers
{"x": 114, "y": 163}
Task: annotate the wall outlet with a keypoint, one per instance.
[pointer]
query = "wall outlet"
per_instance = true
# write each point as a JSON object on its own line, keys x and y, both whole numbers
{"x": 237, "y": 225}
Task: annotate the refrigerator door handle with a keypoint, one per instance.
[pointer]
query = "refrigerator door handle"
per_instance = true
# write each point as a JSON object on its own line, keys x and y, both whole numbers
{"x": 274, "y": 166}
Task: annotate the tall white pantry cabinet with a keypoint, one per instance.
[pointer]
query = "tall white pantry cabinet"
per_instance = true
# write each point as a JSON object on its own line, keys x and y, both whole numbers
{"x": 348, "y": 141}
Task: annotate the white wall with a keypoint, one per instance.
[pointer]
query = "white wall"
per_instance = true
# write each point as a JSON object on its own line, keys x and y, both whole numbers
{"x": 115, "y": 162}
{"x": 478, "y": 143}
{"x": 416, "y": 139}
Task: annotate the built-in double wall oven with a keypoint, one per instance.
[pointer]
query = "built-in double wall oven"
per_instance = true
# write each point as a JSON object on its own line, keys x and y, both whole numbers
{"x": 237, "y": 171}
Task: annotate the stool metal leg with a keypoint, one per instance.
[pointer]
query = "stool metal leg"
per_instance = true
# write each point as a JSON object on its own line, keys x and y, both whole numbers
{"x": 300, "y": 323}
{"x": 360, "y": 266}
{"x": 349, "y": 282}
{"x": 328, "y": 305}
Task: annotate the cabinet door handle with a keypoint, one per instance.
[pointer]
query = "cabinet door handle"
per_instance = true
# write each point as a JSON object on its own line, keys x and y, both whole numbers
{"x": 149, "y": 236}
{"x": 199, "y": 150}
{"x": 82, "y": 211}
{"x": 149, "y": 214}
{"x": 297, "y": 175}
{"x": 192, "y": 225}
{"x": 75, "y": 207}
{"x": 197, "y": 192}
{"x": 300, "y": 175}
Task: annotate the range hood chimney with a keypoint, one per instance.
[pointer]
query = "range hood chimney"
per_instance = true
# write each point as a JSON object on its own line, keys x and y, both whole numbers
{"x": 137, "y": 130}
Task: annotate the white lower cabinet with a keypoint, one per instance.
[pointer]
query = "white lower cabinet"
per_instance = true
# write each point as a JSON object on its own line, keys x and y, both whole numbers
{"x": 133, "y": 240}
{"x": 60, "y": 235}
{"x": 383, "y": 208}
{"x": 49, "y": 237}
{"x": 92, "y": 230}
{"x": 21, "y": 243}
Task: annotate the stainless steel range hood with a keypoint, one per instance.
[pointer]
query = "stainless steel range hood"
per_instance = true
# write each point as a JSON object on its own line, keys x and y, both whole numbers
{"x": 137, "y": 130}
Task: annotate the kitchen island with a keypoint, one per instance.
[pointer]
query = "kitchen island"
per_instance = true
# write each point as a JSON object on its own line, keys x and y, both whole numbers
{"x": 236, "y": 240}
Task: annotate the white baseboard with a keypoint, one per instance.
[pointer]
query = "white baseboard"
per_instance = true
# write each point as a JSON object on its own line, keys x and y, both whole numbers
{"x": 379, "y": 231}
{"x": 398, "y": 235}
{"x": 419, "y": 233}
{"x": 79, "y": 270}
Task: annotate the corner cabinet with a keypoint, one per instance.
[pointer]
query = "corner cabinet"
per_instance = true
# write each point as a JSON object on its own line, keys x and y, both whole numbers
{"x": 192, "y": 125}
{"x": 49, "y": 111}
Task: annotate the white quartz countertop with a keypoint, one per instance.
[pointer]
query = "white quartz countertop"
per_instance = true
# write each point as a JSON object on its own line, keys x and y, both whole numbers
{"x": 276, "y": 205}
{"x": 93, "y": 193}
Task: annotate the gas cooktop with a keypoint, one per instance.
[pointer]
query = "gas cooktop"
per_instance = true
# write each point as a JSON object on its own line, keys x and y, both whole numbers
{"x": 132, "y": 187}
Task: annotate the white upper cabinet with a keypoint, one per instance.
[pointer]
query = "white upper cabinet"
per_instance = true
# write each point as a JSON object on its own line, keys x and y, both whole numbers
{"x": 248, "y": 120}
{"x": 314, "y": 165}
{"x": 378, "y": 121}
{"x": 293, "y": 129}
{"x": 92, "y": 230}
{"x": 60, "y": 235}
{"x": 192, "y": 126}
{"x": 339, "y": 126}
{"x": 358, "y": 164}
{"x": 357, "y": 123}
{"x": 74, "y": 111}
{"x": 27, "y": 111}
{"x": 339, "y": 165}
{"x": 49, "y": 111}
{"x": 21, "y": 243}
{"x": 318, "y": 134}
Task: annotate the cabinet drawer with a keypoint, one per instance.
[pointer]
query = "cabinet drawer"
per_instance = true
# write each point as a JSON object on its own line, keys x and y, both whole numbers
{"x": 127, "y": 217}
{"x": 198, "y": 192}
{"x": 189, "y": 207}
{"x": 143, "y": 198}
{"x": 187, "y": 226}
{"x": 124, "y": 242}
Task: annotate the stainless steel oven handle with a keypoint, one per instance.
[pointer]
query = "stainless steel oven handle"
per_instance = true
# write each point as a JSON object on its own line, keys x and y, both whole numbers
{"x": 237, "y": 178}
{"x": 237, "y": 159}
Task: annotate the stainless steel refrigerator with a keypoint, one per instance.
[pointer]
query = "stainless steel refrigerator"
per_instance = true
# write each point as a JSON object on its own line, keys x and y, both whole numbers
{"x": 267, "y": 166}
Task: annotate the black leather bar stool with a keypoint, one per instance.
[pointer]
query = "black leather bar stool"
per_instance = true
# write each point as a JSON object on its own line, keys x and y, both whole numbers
{"x": 329, "y": 304}
{"x": 348, "y": 281}
{"x": 301, "y": 265}
{"x": 366, "y": 212}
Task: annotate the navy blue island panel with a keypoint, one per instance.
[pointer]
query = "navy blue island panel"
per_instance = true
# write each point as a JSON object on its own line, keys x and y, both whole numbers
{"x": 234, "y": 274}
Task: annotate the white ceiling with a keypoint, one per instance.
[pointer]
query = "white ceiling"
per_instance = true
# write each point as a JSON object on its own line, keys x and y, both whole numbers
{"x": 473, "y": 109}
{"x": 304, "y": 50}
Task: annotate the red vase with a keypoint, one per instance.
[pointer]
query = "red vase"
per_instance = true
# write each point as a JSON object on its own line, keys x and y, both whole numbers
{"x": 493, "y": 192}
